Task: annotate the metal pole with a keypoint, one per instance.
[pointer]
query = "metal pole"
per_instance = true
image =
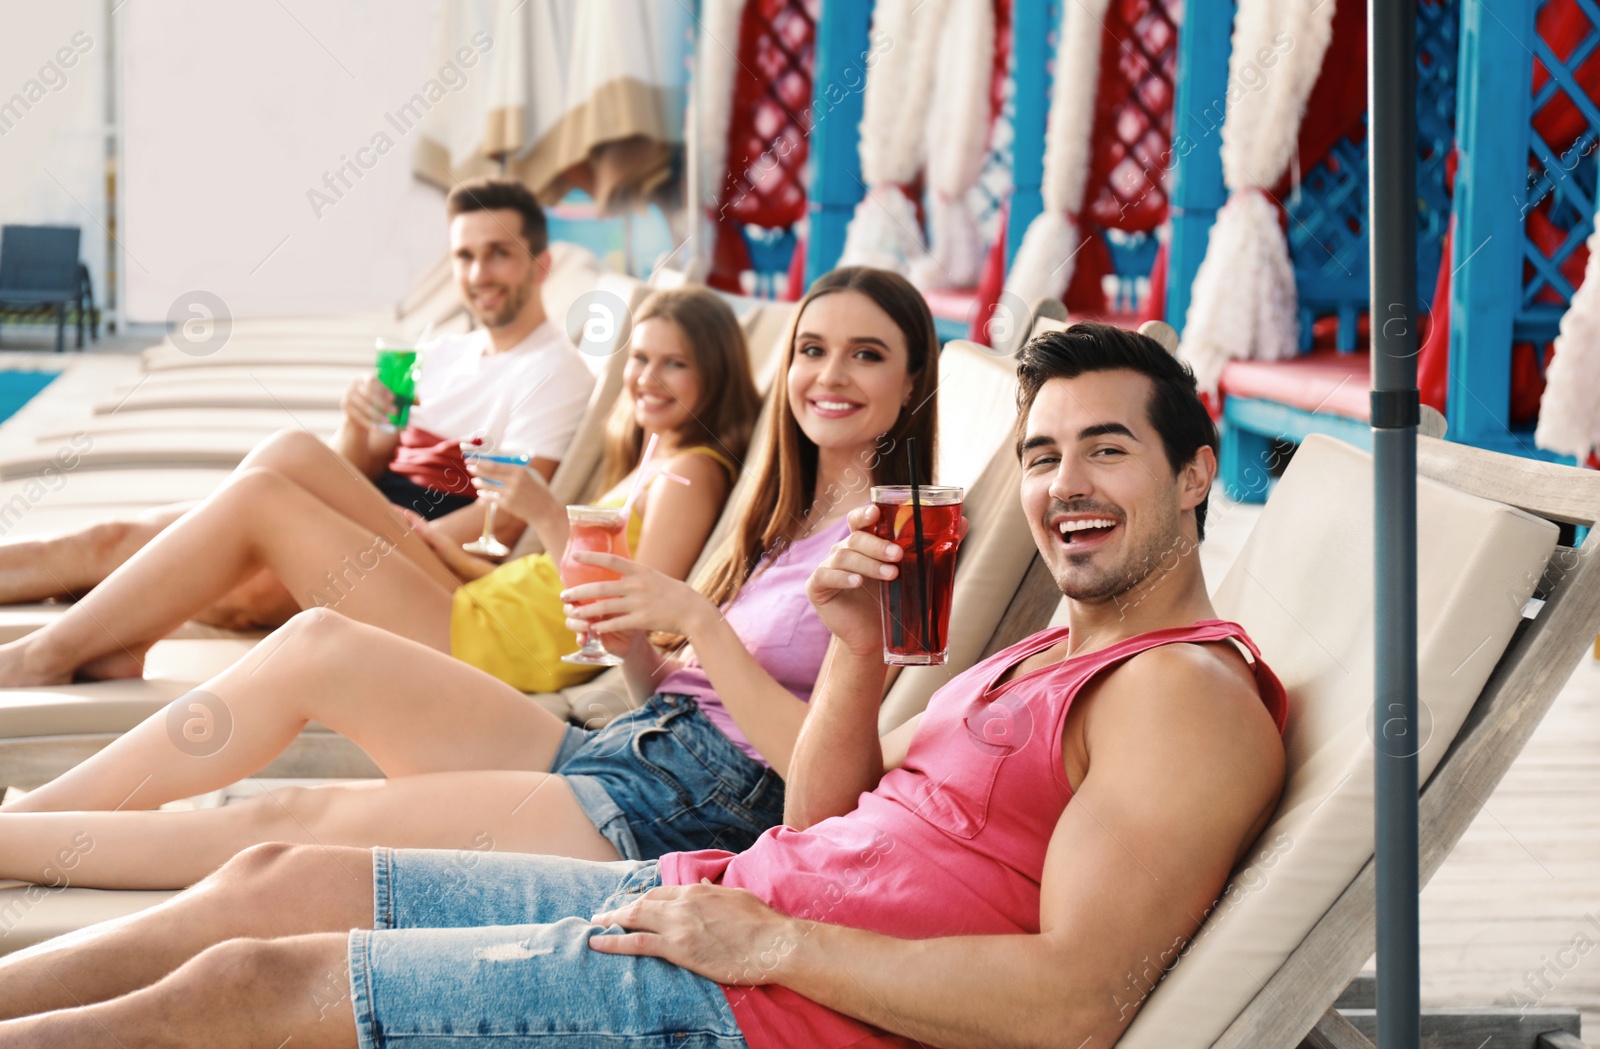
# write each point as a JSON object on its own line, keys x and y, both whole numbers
{"x": 1391, "y": 137}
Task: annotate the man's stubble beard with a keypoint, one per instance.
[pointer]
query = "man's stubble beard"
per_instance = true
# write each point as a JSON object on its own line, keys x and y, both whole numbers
{"x": 516, "y": 299}
{"x": 1135, "y": 568}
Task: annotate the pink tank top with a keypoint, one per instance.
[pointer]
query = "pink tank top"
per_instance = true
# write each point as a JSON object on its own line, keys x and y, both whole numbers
{"x": 952, "y": 843}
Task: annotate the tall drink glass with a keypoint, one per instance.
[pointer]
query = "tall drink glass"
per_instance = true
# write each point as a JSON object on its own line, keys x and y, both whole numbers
{"x": 397, "y": 370}
{"x": 593, "y": 530}
{"x": 916, "y": 603}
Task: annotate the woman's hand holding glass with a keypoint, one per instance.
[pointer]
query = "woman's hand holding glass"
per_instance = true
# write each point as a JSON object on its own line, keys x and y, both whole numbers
{"x": 520, "y": 491}
{"x": 643, "y": 600}
{"x": 844, "y": 587}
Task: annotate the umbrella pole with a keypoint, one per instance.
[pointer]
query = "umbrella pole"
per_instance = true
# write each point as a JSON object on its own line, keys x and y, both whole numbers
{"x": 1391, "y": 89}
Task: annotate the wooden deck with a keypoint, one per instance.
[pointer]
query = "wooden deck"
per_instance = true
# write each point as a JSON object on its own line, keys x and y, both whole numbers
{"x": 1523, "y": 885}
{"x": 1524, "y": 881}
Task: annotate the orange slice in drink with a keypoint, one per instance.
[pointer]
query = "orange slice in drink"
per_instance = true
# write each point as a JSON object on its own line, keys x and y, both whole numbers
{"x": 902, "y": 519}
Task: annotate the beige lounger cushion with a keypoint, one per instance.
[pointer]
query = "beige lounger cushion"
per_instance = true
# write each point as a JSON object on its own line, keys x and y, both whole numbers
{"x": 222, "y": 449}
{"x": 189, "y": 423}
{"x": 1303, "y": 588}
{"x": 99, "y": 491}
{"x": 272, "y": 393}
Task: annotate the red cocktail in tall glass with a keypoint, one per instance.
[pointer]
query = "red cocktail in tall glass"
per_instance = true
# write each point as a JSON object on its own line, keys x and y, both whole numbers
{"x": 916, "y": 603}
{"x": 592, "y": 530}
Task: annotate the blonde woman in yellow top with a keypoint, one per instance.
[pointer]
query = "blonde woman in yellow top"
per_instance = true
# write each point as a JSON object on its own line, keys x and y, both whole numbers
{"x": 687, "y": 380}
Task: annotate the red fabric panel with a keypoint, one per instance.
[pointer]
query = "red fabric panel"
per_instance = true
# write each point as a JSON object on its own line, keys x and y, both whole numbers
{"x": 991, "y": 281}
{"x": 1563, "y": 25}
{"x": 1132, "y": 132}
{"x": 1433, "y": 362}
{"x": 795, "y": 288}
{"x": 1339, "y": 100}
{"x": 1155, "y": 307}
{"x": 1085, "y": 294}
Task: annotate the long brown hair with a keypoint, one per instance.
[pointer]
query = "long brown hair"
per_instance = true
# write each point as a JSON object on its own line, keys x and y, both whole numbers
{"x": 778, "y": 504}
{"x": 725, "y": 415}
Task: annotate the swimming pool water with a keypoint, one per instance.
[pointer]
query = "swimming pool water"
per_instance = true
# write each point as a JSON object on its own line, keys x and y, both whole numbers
{"x": 18, "y": 388}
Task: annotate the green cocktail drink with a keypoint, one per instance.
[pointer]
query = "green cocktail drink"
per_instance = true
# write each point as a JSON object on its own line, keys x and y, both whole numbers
{"x": 397, "y": 370}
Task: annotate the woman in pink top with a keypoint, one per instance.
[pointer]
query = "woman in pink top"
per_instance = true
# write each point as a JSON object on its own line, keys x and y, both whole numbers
{"x": 473, "y": 763}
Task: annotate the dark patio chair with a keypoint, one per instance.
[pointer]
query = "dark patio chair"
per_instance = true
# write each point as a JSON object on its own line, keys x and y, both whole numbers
{"x": 39, "y": 269}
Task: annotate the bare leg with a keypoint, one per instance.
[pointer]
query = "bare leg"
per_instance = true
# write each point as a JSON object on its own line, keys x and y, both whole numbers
{"x": 70, "y": 565}
{"x": 334, "y": 480}
{"x": 412, "y": 709}
{"x": 501, "y": 811}
{"x": 238, "y": 995}
{"x": 258, "y": 519}
{"x": 270, "y": 891}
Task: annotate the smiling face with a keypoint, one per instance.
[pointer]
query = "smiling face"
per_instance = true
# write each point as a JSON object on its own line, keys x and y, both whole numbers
{"x": 496, "y": 273}
{"x": 661, "y": 377}
{"x": 1104, "y": 505}
{"x": 850, "y": 373}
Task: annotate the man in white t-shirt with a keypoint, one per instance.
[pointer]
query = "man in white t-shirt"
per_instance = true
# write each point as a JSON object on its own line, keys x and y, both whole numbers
{"x": 516, "y": 382}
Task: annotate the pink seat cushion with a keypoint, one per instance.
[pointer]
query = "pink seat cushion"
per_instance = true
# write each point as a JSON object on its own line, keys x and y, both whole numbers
{"x": 1324, "y": 381}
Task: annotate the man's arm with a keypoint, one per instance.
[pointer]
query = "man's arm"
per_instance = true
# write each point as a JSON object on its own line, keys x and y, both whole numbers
{"x": 837, "y": 753}
{"x": 362, "y": 437}
{"x": 1184, "y": 769}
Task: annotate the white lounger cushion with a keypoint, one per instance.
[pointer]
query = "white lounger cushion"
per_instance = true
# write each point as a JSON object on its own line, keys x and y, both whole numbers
{"x": 217, "y": 449}
{"x": 101, "y": 491}
{"x": 266, "y": 388}
{"x": 1303, "y": 588}
{"x": 191, "y": 423}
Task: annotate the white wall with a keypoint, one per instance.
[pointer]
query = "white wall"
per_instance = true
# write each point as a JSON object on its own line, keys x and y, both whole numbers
{"x": 52, "y": 123}
{"x": 232, "y": 113}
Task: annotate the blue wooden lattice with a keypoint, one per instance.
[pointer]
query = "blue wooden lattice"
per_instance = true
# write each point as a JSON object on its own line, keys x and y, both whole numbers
{"x": 1327, "y": 228}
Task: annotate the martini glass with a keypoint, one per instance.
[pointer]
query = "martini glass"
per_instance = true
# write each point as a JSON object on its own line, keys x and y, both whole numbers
{"x": 486, "y": 545}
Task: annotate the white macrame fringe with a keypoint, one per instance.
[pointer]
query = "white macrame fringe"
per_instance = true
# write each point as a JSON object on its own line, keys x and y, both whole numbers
{"x": 1045, "y": 268}
{"x": 958, "y": 139}
{"x": 883, "y": 231}
{"x": 1569, "y": 410}
{"x": 955, "y": 258}
{"x": 1044, "y": 261}
{"x": 714, "y": 65}
{"x": 1243, "y": 302}
{"x": 893, "y": 147}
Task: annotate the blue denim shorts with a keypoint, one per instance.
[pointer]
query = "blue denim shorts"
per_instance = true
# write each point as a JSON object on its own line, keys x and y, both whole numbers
{"x": 664, "y": 779}
{"x": 493, "y": 948}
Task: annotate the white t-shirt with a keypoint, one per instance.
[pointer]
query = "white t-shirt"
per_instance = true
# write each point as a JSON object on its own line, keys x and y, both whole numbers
{"x": 529, "y": 398}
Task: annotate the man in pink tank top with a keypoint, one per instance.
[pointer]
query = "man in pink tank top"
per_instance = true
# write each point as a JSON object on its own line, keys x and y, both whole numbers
{"x": 1016, "y": 866}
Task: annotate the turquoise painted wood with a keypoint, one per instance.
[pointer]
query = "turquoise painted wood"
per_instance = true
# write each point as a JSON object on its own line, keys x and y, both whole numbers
{"x": 1493, "y": 302}
{"x": 1251, "y": 460}
{"x": 843, "y": 41}
{"x": 1035, "y": 27}
{"x": 1204, "y": 43}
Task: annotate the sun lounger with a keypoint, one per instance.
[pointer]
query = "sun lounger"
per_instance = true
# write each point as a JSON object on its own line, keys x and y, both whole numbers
{"x": 263, "y": 390}
{"x": 100, "y": 489}
{"x": 215, "y": 449}
{"x": 189, "y": 422}
{"x": 1297, "y": 920}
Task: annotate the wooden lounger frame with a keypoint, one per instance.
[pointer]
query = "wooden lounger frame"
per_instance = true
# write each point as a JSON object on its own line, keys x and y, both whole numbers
{"x": 1297, "y": 999}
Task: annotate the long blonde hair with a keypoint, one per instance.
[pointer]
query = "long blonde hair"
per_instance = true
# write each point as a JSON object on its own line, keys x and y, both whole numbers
{"x": 725, "y": 415}
{"x": 778, "y": 503}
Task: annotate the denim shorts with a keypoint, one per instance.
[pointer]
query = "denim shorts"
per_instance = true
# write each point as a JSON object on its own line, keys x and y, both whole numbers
{"x": 493, "y": 949}
{"x": 664, "y": 779}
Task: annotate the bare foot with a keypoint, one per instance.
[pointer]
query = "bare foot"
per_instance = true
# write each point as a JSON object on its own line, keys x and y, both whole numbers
{"x": 19, "y": 670}
{"x": 113, "y": 667}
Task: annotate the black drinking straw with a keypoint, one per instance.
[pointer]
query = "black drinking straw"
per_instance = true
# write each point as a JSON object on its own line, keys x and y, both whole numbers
{"x": 916, "y": 525}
